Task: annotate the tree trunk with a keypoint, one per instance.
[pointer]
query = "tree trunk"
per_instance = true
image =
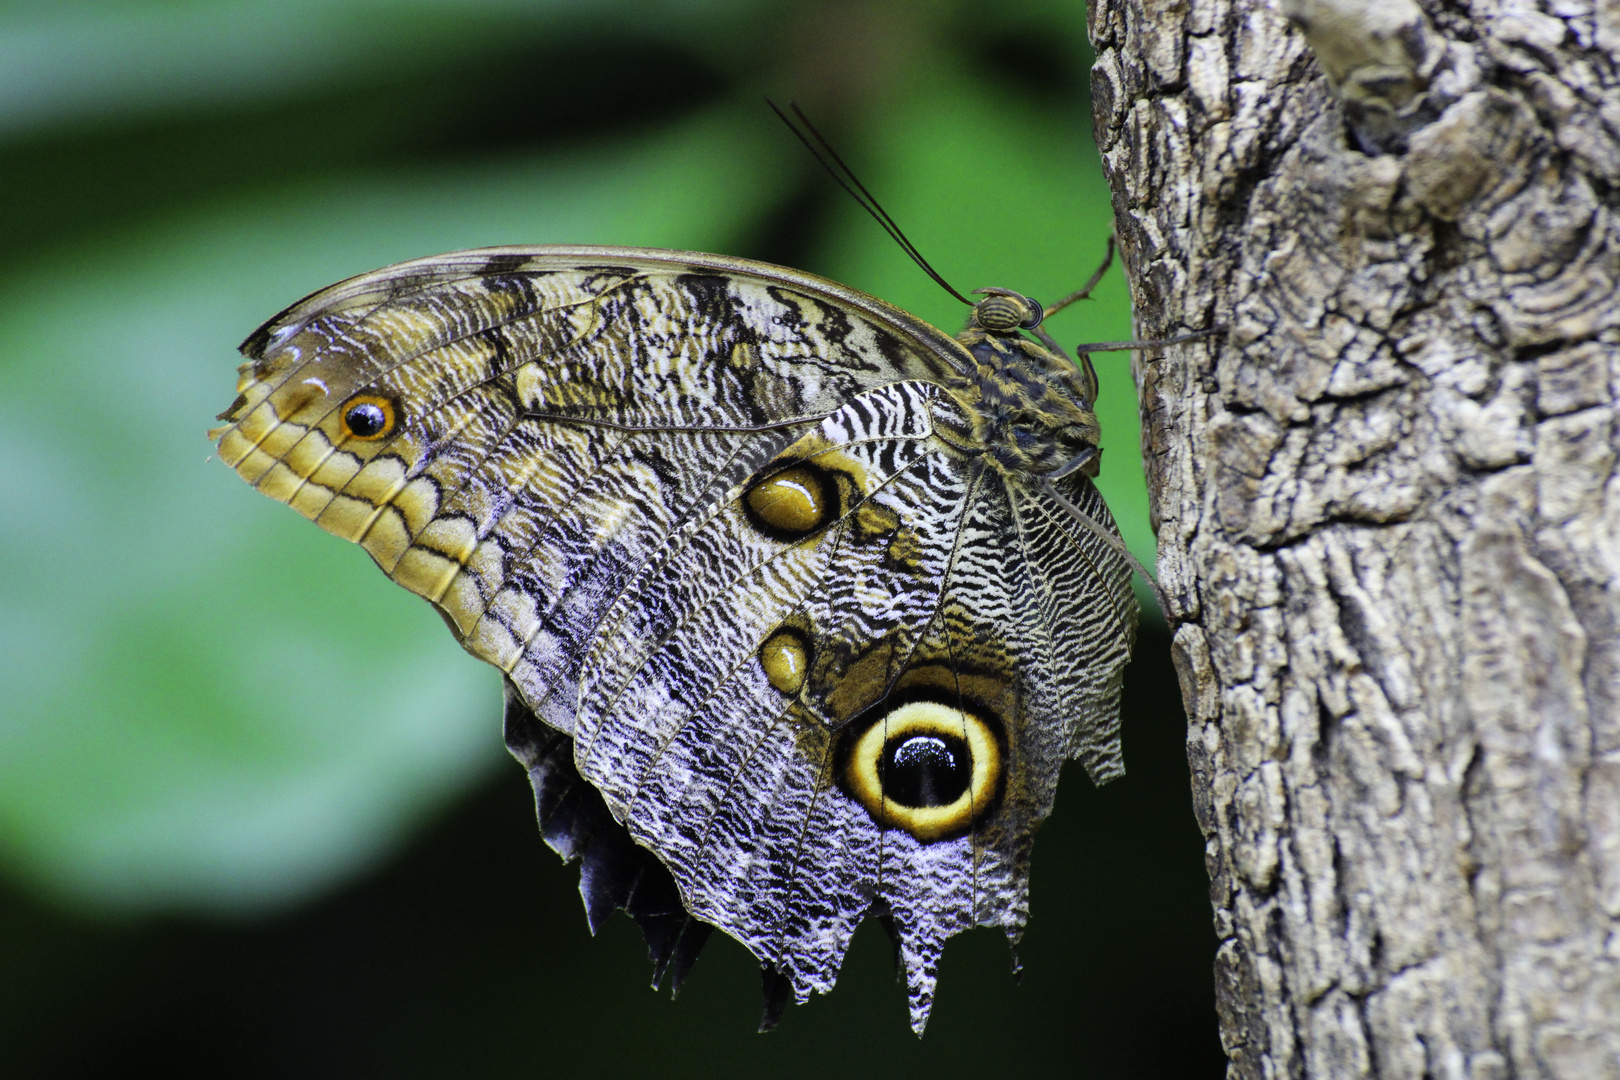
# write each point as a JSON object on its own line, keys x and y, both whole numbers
{"x": 1388, "y": 500}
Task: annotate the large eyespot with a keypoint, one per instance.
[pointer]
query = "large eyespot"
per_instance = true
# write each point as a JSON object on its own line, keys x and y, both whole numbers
{"x": 792, "y": 502}
{"x": 925, "y": 767}
{"x": 368, "y": 417}
{"x": 785, "y": 657}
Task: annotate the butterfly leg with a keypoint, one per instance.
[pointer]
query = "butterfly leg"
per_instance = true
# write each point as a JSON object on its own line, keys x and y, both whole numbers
{"x": 1085, "y": 290}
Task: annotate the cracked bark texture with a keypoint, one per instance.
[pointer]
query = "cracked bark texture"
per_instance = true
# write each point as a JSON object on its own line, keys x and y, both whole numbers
{"x": 1388, "y": 505}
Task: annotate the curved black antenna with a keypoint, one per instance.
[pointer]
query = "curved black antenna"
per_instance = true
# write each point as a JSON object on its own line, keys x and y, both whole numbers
{"x": 828, "y": 158}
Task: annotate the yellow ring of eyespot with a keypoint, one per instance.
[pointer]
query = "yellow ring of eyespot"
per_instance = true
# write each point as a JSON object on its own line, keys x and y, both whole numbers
{"x": 382, "y": 403}
{"x": 925, "y": 718}
{"x": 795, "y": 500}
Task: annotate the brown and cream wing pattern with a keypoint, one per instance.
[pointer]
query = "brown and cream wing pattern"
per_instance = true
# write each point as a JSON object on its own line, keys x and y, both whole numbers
{"x": 724, "y": 529}
{"x": 423, "y": 411}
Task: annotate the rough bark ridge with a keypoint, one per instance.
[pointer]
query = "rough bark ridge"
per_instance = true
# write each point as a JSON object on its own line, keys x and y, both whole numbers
{"x": 1388, "y": 506}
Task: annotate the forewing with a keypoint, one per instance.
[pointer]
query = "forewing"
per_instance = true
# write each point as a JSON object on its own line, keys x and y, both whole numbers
{"x": 556, "y": 414}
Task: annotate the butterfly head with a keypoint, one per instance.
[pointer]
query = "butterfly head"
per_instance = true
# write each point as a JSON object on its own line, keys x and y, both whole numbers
{"x": 1003, "y": 311}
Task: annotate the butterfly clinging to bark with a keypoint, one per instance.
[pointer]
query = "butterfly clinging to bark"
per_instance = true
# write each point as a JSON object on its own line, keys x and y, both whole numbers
{"x": 800, "y": 603}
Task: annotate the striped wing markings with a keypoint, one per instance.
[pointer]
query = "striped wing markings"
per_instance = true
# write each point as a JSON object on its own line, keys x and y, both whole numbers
{"x": 696, "y": 859}
{"x": 1040, "y": 588}
{"x": 778, "y": 551}
{"x": 896, "y": 671}
{"x": 698, "y": 709}
{"x": 1075, "y": 535}
{"x": 1069, "y": 531}
{"x": 560, "y": 526}
{"x": 474, "y": 370}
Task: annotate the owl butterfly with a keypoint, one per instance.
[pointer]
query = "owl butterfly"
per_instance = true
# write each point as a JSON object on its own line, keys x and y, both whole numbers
{"x": 801, "y": 603}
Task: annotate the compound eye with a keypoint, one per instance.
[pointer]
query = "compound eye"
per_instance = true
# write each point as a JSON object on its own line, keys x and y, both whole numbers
{"x": 925, "y": 767}
{"x": 369, "y": 417}
{"x": 1005, "y": 311}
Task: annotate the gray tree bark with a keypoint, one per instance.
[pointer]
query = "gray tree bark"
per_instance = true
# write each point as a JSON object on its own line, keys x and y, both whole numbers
{"x": 1388, "y": 505}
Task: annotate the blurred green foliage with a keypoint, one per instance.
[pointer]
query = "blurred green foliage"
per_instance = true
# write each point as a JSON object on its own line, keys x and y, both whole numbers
{"x": 210, "y": 706}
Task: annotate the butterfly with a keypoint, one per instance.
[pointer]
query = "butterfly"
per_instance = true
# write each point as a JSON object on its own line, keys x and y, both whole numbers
{"x": 800, "y": 603}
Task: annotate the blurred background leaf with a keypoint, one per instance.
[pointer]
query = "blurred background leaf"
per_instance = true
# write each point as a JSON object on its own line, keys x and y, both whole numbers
{"x": 250, "y": 792}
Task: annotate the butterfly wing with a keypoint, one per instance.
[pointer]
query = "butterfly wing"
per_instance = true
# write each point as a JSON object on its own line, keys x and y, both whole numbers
{"x": 716, "y": 522}
{"x": 552, "y": 415}
{"x": 934, "y": 592}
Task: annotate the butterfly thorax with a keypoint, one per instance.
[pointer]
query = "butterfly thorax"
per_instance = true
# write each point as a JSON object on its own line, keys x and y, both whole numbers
{"x": 1029, "y": 409}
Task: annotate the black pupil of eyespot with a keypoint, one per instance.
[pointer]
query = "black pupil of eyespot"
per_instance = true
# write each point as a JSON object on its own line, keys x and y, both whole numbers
{"x": 367, "y": 418}
{"x": 925, "y": 770}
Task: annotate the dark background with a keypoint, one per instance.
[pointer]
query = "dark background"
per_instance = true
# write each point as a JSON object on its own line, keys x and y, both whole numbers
{"x": 254, "y": 814}
{"x": 466, "y": 953}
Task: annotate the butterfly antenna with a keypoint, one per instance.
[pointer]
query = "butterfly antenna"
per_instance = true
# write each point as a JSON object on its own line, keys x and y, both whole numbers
{"x": 828, "y": 158}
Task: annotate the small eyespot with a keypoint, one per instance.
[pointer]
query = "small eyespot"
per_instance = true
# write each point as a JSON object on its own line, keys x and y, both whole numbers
{"x": 785, "y": 657}
{"x": 924, "y": 767}
{"x": 368, "y": 417}
{"x": 791, "y": 503}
